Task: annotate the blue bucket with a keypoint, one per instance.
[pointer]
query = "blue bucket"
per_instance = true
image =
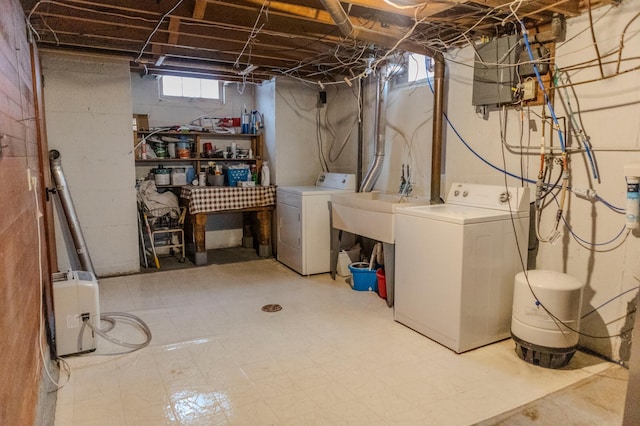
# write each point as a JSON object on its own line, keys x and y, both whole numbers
{"x": 363, "y": 279}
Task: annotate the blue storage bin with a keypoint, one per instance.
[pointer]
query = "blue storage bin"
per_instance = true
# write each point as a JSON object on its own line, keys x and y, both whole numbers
{"x": 363, "y": 279}
{"x": 238, "y": 175}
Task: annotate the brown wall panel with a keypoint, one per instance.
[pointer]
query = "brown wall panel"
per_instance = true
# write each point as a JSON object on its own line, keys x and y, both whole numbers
{"x": 20, "y": 292}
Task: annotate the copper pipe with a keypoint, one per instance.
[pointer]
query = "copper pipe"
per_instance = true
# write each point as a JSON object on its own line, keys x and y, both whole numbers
{"x": 436, "y": 135}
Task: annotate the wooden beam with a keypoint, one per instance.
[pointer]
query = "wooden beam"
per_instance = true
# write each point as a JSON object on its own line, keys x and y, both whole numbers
{"x": 565, "y": 7}
{"x": 174, "y": 30}
{"x": 199, "y": 9}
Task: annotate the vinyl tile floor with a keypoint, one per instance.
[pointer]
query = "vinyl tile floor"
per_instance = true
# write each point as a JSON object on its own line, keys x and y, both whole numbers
{"x": 331, "y": 356}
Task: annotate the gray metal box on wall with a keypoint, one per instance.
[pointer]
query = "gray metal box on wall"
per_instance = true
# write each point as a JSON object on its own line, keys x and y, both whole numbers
{"x": 495, "y": 71}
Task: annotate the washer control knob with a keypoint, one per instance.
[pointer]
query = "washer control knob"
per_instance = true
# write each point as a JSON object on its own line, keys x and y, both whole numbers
{"x": 465, "y": 193}
{"x": 504, "y": 197}
{"x": 456, "y": 193}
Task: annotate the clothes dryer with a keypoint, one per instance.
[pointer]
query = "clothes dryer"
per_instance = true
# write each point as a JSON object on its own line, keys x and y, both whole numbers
{"x": 303, "y": 222}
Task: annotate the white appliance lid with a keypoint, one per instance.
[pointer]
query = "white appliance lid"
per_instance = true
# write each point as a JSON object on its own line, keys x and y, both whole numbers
{"x": 459, "y": 214}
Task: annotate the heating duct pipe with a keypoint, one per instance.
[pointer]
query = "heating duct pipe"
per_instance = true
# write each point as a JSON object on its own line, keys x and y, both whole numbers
{"x": 69, "y": 211}
{"x": 380, "y": 123}
{"x": 436, "y": 135}
{"x": 342, "y": 21}
{"x": 340, "y": 17}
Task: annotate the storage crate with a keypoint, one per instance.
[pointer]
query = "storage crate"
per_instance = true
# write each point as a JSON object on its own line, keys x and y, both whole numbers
{"x": 237, "y": 175}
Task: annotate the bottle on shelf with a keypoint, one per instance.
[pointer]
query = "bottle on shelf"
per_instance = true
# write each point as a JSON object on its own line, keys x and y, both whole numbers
{"x": 265, "y": 176}
{"x": 246, "y": 121}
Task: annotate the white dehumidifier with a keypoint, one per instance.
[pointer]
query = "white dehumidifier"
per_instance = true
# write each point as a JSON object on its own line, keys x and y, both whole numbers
{"x": 75, "y": 300}
{"x": 540, "y": 338}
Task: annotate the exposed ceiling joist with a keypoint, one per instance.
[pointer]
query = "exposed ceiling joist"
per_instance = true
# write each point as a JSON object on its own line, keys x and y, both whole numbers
{"x": 294, "y": 37}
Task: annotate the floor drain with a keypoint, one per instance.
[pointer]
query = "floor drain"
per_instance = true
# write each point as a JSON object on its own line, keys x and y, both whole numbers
{"x": 272, "y": 308}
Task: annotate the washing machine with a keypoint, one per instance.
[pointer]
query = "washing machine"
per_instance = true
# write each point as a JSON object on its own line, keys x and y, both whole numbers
{"x": 303, "y": 222}
{"x": 456, "y": 262}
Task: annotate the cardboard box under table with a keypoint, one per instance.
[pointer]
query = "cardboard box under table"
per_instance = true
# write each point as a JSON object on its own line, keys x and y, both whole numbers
{"x": 255, "y": 203}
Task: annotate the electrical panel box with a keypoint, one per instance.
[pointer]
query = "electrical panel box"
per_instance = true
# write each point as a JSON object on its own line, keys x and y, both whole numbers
{"x": 495, "y": 75}
{"x": 541, "y": 60}
{"x": 75, "y": 298}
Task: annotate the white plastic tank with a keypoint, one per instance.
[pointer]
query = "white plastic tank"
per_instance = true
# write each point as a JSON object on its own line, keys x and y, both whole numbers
{"x": 541, "y": 339}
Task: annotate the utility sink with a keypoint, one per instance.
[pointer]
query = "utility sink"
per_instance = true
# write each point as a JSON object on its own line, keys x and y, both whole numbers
{"x": 369, "y": 214}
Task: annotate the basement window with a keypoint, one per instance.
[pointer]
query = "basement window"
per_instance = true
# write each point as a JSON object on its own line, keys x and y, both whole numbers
{"x": 420, "y": 68}
{"x": 416, "y": 69}
{"x": 189, "y": 87}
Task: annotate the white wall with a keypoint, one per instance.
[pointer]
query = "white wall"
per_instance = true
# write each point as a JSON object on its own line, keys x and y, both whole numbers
{"x": 408, "y": 139}
{"x": 292, "y": 144}
{"x": 88, "y": 108}
{"x": 610, "y": 117}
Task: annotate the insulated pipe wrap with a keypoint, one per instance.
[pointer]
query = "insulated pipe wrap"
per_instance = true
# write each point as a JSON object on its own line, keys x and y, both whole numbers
{"x": 62, "y": 189}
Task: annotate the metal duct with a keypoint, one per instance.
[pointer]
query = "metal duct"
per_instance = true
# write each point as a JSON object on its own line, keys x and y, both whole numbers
{"x": 388, "y": 40}
{"x": 69, "y": 211}
{"x": 436, "y": 135}
{"x": 340, "y": 17}
{"x": 380, "y": 123}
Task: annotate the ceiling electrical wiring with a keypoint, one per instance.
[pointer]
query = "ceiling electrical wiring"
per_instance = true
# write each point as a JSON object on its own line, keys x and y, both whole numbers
{"x": 255, "y": 33}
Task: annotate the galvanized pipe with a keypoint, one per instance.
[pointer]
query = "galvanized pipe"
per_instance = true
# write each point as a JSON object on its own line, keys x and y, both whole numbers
{"x": 388, "y": 40}
{"x": 340, "y": 17}
{"x": 360, "y": 130}
{"x": 436, "y": 135}
{"x": 62, "y": 190}
{"x": 380, "y": 124}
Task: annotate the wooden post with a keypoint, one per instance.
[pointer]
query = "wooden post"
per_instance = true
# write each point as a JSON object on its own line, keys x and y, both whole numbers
{"x": 264, "y": 232}
{"x": 247, "y": 235}
{"x": 199, "y": 229}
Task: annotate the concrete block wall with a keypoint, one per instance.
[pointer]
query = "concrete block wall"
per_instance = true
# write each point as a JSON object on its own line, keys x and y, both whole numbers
{"x": 88, "y": 106}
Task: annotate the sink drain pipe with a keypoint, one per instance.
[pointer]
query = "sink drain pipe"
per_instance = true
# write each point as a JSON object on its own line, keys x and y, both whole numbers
{"x": 55, "y": 162}
{"x": 436, "y": 135}
{"x": 380, "y": 124}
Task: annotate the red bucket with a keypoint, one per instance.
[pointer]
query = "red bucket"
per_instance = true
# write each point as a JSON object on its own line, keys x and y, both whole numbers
{"x": 382, "y": 283}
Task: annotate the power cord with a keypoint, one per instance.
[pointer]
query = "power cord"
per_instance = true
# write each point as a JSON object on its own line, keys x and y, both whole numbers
{"x": 59, "y": 361}
{"x": 110, "y": 317}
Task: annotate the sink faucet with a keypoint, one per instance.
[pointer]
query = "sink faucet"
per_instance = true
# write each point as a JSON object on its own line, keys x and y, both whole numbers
{"x": 405, "y": 182}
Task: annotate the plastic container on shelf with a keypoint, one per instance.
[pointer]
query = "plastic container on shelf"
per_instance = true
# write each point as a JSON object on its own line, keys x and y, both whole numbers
{"x": 178, "y": 176}
{"x": 237, "y": 175}
{"x": 162, "y": 176}
{"x": 265, "y": 175}
{"x": 183, "y": 150}
{"x": 191, "y": 174}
